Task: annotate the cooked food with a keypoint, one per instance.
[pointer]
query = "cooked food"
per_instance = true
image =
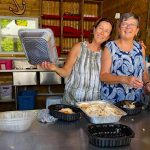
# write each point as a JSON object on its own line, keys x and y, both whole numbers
{"x": 99, "y": 109}
{"x": 129, "y": 105}
{"x": 66, "y": 111}
{"x": 84, "y": 105}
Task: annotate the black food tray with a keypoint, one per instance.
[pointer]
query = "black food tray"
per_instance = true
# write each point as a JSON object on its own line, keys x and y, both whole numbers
{"x": 130, "y": 111}
{"x": 110, "y": 135}
{"x": 54, "y": 111}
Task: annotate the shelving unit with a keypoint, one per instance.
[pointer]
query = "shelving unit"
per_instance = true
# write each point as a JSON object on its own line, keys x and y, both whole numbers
{"x": 147, "y": 35}
{"x": 70, "y": 20}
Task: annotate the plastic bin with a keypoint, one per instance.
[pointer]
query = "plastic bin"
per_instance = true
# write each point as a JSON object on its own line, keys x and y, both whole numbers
{"x": 5, "y": 64}
{"x": 5, "y": 92}
{"x": 28, "y": 93}
{"x": 53, "y": 100}
{"x": 26, "y": 100}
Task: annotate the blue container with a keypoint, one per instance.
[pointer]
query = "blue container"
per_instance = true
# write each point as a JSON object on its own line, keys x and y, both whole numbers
{"x": 27, "y": 93}
{"x": 26, "y": 100}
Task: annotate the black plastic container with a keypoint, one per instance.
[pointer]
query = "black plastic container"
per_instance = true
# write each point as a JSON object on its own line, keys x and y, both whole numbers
{"x": 130, "y": 111}
{"x": 54, "y": 111}
{"x": 110, "y": 135}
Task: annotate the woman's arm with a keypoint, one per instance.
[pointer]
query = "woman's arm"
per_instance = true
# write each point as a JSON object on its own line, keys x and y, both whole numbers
{"x": 145, "y": 73}
{"x": 67, "y": 68}
{"x": 146, "y": 78}
{"x": 107, "y": 77}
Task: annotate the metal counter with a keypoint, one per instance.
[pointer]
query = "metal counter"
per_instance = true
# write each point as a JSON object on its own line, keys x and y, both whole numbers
{"x": 73, "y": 136}
{"x": 31, "y": 77}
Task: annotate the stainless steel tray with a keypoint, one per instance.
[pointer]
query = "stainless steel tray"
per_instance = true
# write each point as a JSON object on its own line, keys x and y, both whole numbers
{"x": 97, "y": 119}
{"x": 39, "y": 45}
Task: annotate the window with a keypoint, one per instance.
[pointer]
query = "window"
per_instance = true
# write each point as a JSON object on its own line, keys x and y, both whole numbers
{"x": 9, "y": 26}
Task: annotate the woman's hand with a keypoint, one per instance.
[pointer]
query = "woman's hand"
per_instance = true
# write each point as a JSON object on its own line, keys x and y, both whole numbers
{"x": 142, "y": 44}
{"x": 48, "y": 66}
{"x": 134, "y": 82}
{"x": 147, "y": 87}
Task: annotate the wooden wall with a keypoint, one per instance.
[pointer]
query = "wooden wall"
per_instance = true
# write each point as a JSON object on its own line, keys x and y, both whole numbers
{"x": 140, "y": 7}
{"x": 24, "y": 8}
{"x": 32, "y": 8}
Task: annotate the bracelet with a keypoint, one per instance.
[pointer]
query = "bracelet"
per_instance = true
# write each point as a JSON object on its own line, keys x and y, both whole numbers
{"x": 146, "y": 83}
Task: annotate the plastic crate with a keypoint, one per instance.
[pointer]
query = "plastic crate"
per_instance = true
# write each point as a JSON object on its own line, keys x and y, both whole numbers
{"x": 26, "y": 100}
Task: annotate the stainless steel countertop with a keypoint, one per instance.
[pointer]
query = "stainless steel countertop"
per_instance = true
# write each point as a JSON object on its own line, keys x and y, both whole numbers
{"x": 35, "y": 69}
{"x": 73, "y": 136}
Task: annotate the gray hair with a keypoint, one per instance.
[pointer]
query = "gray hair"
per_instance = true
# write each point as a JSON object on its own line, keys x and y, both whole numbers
{"x": 126, "y": 16}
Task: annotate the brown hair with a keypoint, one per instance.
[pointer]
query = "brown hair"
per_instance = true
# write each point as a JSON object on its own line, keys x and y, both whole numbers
{"x": 95, "y": 26}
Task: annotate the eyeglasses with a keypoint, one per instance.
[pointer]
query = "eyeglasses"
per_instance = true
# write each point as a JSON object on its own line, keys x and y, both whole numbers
{"x": 125, "y": 25}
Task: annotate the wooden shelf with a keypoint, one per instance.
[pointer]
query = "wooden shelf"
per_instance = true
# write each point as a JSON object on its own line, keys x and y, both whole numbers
{"x": 90, "y": 18}
{"x": 93, "y": 1}
{"x": 56, "y": 29}
{"x": 44, "y": 16}
{"x": 72, "y": 35}
{"x": 70, "y": 21}
{"x": 65, "y": 17}
{"x": 72, "y": 17}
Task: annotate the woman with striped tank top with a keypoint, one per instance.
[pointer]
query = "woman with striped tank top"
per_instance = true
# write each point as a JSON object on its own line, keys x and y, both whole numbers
{"x": 82, "y": 67}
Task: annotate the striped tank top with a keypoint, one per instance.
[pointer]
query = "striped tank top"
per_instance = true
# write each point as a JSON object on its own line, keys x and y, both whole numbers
{"x": 83, "y": 83}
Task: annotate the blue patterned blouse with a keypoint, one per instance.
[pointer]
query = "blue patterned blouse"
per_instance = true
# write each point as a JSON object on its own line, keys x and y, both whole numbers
{"x": 124, "y": 64}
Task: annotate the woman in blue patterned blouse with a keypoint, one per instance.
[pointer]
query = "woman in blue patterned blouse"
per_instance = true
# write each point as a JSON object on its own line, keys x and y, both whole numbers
{"x": 123, "y": 72}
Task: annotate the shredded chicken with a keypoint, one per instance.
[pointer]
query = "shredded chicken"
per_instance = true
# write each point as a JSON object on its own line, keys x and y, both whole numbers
{"x": 99, "y": 109}
{"x": 66, "y": 111}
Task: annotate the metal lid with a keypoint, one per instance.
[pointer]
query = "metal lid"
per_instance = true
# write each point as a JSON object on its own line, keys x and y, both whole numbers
{"x": 39, "y": 45}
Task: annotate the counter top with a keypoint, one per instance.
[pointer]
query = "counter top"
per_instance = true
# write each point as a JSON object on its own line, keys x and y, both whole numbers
{"x": 73, "y": 135}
